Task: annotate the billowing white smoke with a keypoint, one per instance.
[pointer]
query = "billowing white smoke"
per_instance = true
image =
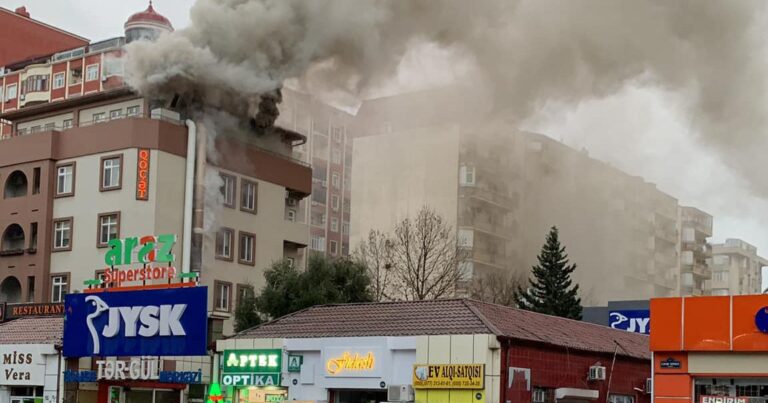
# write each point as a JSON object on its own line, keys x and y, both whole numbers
{"x": 528, "y": 52}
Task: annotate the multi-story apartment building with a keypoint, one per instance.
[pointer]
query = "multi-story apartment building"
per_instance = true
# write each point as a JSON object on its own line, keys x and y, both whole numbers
{"x": 736, "y": 268}
{"x": 74, "y": 175}
{"x": 503, "y": 189}
{"x": 695, "y": 252}
{"x": 329, "y": 151}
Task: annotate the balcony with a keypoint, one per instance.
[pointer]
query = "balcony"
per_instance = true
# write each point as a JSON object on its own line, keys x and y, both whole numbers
{"x": 496, "y": 198}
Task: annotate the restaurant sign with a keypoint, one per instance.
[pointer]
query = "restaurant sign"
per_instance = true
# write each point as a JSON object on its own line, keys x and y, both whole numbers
{"x": 252, "y": 367}
{"x": 449, "y": 376}
{"x": 16, "y": 311}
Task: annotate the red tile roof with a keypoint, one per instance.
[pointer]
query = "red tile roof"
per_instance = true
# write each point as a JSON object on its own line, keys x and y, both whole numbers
{"x": 42, "y": 330}
{"x": 449, "y": 316}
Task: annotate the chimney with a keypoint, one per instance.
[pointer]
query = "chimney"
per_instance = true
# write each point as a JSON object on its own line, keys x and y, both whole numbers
{"x": 22, "y": 11}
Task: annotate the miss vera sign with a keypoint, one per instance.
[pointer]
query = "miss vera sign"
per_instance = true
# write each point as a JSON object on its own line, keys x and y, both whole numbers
{"x": 23, "y": 364}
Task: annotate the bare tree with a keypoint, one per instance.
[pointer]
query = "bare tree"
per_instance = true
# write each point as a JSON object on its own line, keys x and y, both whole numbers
{"x": 426, "y": 257}
{"x": 496, "y": 287}
{"x": 375, "y": 253}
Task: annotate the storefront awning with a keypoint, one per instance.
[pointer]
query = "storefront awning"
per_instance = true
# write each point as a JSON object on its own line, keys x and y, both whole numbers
{"x": 575, "y": 395}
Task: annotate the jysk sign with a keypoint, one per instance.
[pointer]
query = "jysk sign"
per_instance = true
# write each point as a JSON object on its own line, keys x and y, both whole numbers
{"x": 634, "y": 321}
{"x": 449, "y": 376}
{"x": 168, "y": 322}
{"x": 252, "y": 367}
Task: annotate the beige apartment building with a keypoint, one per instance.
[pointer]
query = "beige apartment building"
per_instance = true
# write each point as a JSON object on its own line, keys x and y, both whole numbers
{"x": 695, "y": 251}
{"x": 736, "y": 268}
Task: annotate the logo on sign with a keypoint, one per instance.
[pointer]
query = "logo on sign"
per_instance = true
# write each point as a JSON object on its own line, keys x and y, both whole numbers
{"x": 637, "y": 321}
{"x": 761, "y": 319}
{"x": 252, "y": 367}
{"x": 159, "y": 322}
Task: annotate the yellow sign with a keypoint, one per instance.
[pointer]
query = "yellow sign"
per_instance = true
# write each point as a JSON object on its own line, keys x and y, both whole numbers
{"x": 449, "y": 376}
{"x": 349, "y": 362}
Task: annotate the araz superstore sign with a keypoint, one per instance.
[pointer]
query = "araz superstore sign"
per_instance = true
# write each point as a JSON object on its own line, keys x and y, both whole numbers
{"x": 166, "y": 322}
{"x": 252, "y": 367}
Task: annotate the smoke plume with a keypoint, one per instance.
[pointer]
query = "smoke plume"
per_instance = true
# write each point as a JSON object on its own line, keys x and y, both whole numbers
{"x": 527, "y": 53}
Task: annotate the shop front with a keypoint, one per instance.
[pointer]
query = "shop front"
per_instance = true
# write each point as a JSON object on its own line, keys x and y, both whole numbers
{"x": 28, "y": 373}
{"x": 710, "y": 349}
{"x": 253, "y": 375}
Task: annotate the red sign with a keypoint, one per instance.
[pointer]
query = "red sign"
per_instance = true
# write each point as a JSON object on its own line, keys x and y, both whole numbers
{"x": 142, "y": 175}
{"x": 723, "y": 399}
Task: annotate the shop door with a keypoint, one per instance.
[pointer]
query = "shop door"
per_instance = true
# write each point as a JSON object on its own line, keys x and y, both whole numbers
{"x": 359, "y": 396}
{"x": 137, "y": 395}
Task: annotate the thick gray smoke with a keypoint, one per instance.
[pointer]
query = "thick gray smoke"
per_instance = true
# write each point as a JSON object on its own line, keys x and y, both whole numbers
{"x": 527, "y": 53}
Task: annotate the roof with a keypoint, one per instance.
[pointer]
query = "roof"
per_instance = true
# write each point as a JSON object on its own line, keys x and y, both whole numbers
{"x": 148, "y": 16}
{"x": 34, "y": 330}
{"x": 450, "y": 316}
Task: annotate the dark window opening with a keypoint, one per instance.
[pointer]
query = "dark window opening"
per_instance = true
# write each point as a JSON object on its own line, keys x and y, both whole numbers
{"x": 33, "y": 238}
{"x": 16, "y": 185}
{"x": 13, "y": 240}
{"x": 36, "y": 181}
{"x": 30, "y": 288}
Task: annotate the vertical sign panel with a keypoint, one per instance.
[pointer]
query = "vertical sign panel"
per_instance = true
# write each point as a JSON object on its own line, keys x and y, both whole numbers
{"x": 142, "y": 174}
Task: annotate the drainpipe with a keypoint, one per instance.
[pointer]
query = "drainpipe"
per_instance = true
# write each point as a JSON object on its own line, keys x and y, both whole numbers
{"x": 198, "y": 204}
{"x": 188, "y": 193}
{"x": 58, "y": 376}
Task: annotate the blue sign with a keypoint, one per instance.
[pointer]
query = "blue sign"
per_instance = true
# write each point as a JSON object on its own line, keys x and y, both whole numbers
{"x": 761, "y": 319}
{"x": 167, "y": 322}
{"x": 635, "y": 321}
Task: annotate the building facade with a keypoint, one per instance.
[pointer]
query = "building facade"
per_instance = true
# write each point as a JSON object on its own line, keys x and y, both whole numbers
{"x": 695, "y": 252}
{"x": 736, "y": 268}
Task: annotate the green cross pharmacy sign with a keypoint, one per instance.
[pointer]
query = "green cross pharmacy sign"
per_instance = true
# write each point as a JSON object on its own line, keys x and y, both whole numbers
{"x": 252, "y": 367}
{"x": 294, "y": 362}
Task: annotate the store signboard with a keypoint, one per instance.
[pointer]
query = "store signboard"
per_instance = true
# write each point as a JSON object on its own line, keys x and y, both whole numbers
{"x": 294, "y": 362}
{"x": 23, "y": 364}
{"x": 356, "y": 362}
{"x": 633, "y": 321}
{"x": 449, "y": 376}
{"x": 723, "y": 399}
{"x": 142, "y": 174}
{"x": 165, "y": 322}
{"x": 259, "y": 367}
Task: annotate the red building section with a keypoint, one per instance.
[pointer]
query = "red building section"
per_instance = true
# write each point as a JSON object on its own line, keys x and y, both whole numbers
{"x": 39, "y": 39}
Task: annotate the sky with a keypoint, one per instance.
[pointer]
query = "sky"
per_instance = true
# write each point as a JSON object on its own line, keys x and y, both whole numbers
{"x": 647, "y": 133}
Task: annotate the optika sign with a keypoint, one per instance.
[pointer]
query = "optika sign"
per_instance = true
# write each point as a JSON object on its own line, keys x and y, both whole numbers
{"x": 161, "y": 322}
{"x": 723, "y": 399}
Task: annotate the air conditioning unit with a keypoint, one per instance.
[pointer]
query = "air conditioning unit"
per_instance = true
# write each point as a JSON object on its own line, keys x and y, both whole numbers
{"x": 648, "y": 385}
{"x": 400, "y": 393}
{"x": 539, "y": 395}
{"x": 596, "y": 373}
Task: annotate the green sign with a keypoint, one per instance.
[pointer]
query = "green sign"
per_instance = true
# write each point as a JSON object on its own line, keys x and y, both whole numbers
{"x": 275, "y": 398}
{"x": 294, "y": 362}
{"x": 252, "y": 367}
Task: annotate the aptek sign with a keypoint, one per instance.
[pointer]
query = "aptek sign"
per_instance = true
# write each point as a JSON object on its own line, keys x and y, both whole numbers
{"x": 634, "y": 321}
{"x": 167, "y": 322}
{"x": 252, "y": 367}
{"x": 22, "y": 364}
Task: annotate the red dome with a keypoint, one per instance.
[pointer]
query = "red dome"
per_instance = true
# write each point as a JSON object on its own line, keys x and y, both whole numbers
{"x": 148, "y": 16}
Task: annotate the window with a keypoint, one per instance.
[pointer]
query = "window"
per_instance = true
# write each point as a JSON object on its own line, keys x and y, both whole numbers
{"x": 345, "y": 228}
{"x": 115, "y": 114}
{"x": 336, "y": 156}
{"x": 58, "y": 80}
{"x": 244, "y": 291}
{"x": 2, "y": 91}
{"x": 10, "y": 92}
{"x": 334, "y": 224}
{"x": 222, "y": 295}
{"x": 248, "y": 196}
{"x": 49, "y": 126}
{"x": 67, "y": 123}
{"x": 133, "y": 110}
{"x": 109, "y": 228}
{"x": 721, "y": 276}
{"x": 621, "y": 399}
{"x": 291, "y": 261}
{"x": 467, "y": 176}
{"x": 59, "y": 288}
{"x": 291, "y": 215}
{"x": 35, "y": 83}
{"x": 541, "y": 395}
{"x": 337, "y": 133}
{"x": 36, "y": 180}
{"x": 99, "y": 117}
{"x": 334, "y": 202}
{"x": 228, "y": 190}
{"x": 65, "y": 180}
{"x": 317, "y": 243}
{"x": 334, "y": 247}
{"x": 224, "y": 239}
{"x": 75, "y": 75}
{"x": 318, "y": 219}
{"x": 92, "y": 72}
{"x": 62, "y": 234}
{"x": 335, "y": 180}
{"x": 247, "y": 243}
{"x": 111, "y": 169}
{"x": 35, "y": 129}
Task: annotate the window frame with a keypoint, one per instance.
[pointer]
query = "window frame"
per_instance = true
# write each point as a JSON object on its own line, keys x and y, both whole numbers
{"x": 335, "y": 202}
{"x": 335, "y": 180}
{"x": 217, "y": 295}
{"x": 15, "y": 87}
{"x": 240, "y": 236}
{"x": 67, "y": 277}
{"x": 225, "y": 177}
{"x": 56, "y": 221}
{"x": 239, "y": 288}
{"x": 119, "y": 114}
{"x": 243, "y": 183}
{"x": 99, "y": 244}
{"x": 334, "y": 224}
{"x": 71, "y": 192}
{"x": 231, "y": 233}
{"x": 63, "y": 80}
{"x": 333, "y": 247}
{"x": 64, "y": 124}
{"x": 87, "y": 72}
{"x": 128, "y": 110}
{"x": 336, "y": 156}
{"x": 101, "y": 173}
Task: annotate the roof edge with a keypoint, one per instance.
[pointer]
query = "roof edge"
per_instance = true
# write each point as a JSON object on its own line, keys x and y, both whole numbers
{"x": 49, "y": 26}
